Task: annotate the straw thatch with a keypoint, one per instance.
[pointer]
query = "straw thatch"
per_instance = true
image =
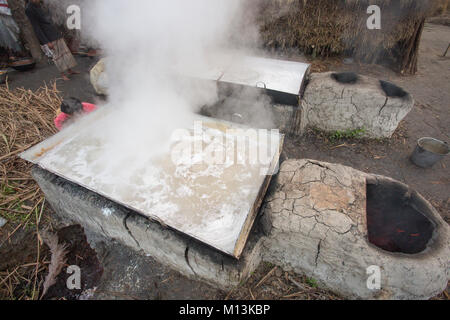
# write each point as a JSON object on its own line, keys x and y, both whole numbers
{"x": 339, "y": 27}
{"x": 26, "y": 118}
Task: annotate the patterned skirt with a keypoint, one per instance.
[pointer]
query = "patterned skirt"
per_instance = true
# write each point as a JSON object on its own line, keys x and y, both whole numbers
{"x": 62, "y": 57}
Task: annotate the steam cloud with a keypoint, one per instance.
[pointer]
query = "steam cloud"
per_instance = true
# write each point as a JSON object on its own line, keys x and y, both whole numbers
{"x": 149, "y": 46}
{"x": 155, "y": 49}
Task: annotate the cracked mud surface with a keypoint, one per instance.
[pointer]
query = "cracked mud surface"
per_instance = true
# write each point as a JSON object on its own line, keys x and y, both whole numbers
{"x": 330, "y": 106}
{"x": 315, "y": 199}
{"x": 315, "y": 221}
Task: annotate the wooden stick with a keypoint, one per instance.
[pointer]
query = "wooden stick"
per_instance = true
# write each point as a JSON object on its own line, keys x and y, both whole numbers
{"x": 266, "y": 276}
{"x": 9, "y": 275}
{"x": 445, "y": 53}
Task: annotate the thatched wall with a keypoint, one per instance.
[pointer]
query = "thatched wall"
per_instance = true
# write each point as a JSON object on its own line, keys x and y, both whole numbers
{"x": 326, "y": 27}
{"x": 339, "y": 27}
{"x": 442, "y": 7}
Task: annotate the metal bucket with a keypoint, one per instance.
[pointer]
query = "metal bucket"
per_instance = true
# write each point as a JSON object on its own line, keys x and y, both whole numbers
{"x": 429, "y": 151}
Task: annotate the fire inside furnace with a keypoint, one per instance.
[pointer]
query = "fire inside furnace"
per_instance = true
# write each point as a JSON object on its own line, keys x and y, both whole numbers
{"x": 396, "y": 218}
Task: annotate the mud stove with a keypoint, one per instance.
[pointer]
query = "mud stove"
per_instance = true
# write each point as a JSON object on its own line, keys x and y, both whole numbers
{"x": 327, "y": 221}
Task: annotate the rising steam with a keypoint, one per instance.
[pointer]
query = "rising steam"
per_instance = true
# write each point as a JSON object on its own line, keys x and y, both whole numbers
{"x": 150, "y": 45}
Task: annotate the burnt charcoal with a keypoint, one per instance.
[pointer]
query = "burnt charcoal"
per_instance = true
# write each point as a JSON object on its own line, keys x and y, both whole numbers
{"x": 393, "y": 91}
{"x": 345, "y": 77}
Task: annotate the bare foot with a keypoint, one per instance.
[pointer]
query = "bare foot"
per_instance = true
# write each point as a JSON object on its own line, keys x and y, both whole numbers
{"x": 73, "y": 72}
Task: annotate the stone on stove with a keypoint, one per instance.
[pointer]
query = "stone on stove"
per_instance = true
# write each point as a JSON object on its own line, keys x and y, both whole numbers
{"x": 333, "y": 106}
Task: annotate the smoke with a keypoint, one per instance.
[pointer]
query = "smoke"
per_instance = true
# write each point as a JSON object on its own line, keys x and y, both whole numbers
{"x": 244, "y": 105}
{"x": 150, "y": 47}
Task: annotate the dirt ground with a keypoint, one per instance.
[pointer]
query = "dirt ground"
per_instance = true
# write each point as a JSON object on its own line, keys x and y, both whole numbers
{"x": 130, "y": 275}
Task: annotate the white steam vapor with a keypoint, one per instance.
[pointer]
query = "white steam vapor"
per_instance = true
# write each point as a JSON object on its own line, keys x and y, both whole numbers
{"x": 149, "y": 44}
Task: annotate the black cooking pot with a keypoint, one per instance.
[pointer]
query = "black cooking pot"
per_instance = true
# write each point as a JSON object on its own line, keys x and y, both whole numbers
{"x": 3, "y": 75}
{"x": 23, "y": 64}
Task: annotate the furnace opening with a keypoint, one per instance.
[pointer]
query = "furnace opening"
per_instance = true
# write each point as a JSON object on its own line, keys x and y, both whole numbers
{"x": 397, "y": 218}
{"x": 391, "y": 90}
{"x": 345, "y": 77}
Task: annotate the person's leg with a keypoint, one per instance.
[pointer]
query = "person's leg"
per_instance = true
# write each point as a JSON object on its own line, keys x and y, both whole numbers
{"x": 70, "y": 71}
{"x": 64, "y": 77}
{"x": 63, "y": 59}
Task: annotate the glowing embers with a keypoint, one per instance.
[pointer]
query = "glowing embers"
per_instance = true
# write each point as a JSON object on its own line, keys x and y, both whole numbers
{"x": 396, "y": 218}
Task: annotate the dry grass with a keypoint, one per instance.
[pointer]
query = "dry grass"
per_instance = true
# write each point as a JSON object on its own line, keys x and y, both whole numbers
{"x": 270, "y": 282}
{"x": 26, "y": 118}
{"x": 442, "y": 7}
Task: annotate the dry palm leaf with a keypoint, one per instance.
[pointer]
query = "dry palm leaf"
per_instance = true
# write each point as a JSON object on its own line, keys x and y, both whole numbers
{"x": 57, "y": 261}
